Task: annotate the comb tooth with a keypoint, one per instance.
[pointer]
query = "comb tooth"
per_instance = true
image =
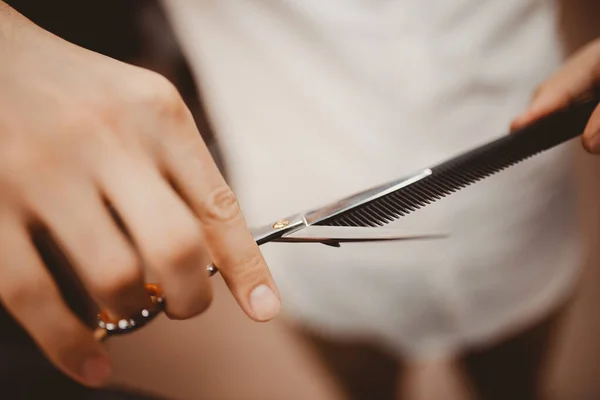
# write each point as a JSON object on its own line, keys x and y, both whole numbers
{"x": 365, "y": 218}
{"x": 394, "y": 207}
{"x": 357, "y": 220}
{"x": 427, "y": 192}
{"x": 394, "y": 204}
{"x": 382, "y": 221}
{"x": 402, "y": 202}
{"x": 390, "y": 204}
{"x": 374, "y": 209}
{"x": 382, "y": 218}
{"x": 340, "y": 221}
{"x": 346, "y": 222}
{"x": 418, "y": 194}
{"x": 389, "y": 209}
{"x": 373, "y": 217}
{"x": 440, "y": 189}
{"x": 376, "y": 224}
{"x": 497, "y": 164}
{"x": 491, "y": 167}
{"x": 412, "y": 197}
{"x": 353, "y": 222}
{"x": 469, "y": 177}
{"x": 448, "y": 184}
{"x": 461, "y": 181}
{"x": 406, "y": 199}
{"x": 416, "y": 200}
{"x": 403, "y": 206}
{"x": 475, "y": 171}
{"x": 384, "y": 212}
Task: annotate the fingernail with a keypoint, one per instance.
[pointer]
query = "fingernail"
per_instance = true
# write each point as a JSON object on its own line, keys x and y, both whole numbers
{"x": 265, "y": 305}
{"x": 96, "y": 371}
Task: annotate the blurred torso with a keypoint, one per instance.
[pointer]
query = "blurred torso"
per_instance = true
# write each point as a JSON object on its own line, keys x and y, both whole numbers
{"x": 313, "y": 100}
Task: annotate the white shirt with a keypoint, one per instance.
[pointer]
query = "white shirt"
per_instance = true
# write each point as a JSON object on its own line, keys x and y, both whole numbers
{"x": 314, "y": 100}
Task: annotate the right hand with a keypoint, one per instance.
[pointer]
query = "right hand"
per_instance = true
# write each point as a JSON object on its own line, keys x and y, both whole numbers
{"x": 79, "y": 130}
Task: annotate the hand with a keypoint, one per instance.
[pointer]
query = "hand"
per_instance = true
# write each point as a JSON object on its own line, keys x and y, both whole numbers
{"x": 80, "y": 131}
{"x": 579, "y": 75}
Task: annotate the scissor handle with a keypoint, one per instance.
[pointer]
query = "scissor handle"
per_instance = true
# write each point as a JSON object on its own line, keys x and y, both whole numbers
{"x": 107, "y": 327}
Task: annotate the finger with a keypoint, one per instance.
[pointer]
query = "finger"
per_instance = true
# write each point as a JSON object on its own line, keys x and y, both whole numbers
{"x": 102, "y": 257}
{"x": 32, "y": 298}
{"x": 556, "y": 93}
{"x": 577, "y": 76}
{"x": 591, "y": 135}
{"x": 547, "y": 101}
{"x": 165, "y": 232}
{"x": 230, "y": 244}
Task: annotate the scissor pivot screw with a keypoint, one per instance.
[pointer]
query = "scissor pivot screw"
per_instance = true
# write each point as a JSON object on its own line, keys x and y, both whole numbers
{"x": 282, "y": 223}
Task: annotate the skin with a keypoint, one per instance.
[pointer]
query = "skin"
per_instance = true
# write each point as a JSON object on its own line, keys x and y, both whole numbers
{"x": 579, "y": 75}
{"x": 79, "y": 131}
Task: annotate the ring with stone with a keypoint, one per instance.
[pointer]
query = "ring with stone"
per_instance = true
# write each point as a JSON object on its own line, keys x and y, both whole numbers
{"x": 109, "y": 327}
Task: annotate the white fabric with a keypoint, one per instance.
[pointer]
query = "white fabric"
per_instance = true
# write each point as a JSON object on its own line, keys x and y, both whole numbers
{"x": 313, "y": 100}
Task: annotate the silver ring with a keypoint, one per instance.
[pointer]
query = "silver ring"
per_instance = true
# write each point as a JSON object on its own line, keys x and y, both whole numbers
{"x": 212, "y": 269}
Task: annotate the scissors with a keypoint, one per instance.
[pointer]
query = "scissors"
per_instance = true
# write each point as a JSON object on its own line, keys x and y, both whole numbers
{"x": 353, "y": 219}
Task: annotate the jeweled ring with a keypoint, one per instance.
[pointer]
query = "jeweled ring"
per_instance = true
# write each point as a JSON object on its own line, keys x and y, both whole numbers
{"x": 108, "y": 327}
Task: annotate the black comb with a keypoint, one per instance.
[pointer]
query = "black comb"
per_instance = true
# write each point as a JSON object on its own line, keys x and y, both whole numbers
{"x": 402, "y": 197}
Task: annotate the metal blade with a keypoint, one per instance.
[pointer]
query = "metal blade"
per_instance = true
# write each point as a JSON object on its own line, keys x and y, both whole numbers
{"x": 388, "y": 202}
{"x": 334, "y": 236}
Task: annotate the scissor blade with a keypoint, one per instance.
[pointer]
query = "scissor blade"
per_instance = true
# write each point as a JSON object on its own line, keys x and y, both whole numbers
{"x": 386, "y": 203}
{"x": 334, "y": 236}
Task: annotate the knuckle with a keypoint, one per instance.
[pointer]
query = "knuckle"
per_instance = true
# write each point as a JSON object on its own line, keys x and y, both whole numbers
{"x": 159, "y": 94}
{"x": 220, "y": 206}
{"x": 194, "y": 307}
{"x": 122, "y": 276}
{"x": 180, "y": 250}
{"x": 64, "y": 137}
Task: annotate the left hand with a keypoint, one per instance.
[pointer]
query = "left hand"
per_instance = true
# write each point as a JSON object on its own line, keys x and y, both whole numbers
{"x": 580, "y": 74}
